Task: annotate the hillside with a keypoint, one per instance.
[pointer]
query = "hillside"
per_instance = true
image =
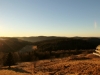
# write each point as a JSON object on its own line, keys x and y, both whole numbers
{"x": 8, "y": 44}
{"x": 62, "y": 66}
{"x": 69, "y": 44}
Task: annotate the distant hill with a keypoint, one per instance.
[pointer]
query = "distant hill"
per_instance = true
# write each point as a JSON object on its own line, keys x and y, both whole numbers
{"x": 38, "y": 38}
{"x": 8, "y": 44}
{"x": 43, "y": 38}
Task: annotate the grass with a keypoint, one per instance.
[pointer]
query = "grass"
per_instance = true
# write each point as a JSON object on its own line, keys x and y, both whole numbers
{"x": 73, "y": 65}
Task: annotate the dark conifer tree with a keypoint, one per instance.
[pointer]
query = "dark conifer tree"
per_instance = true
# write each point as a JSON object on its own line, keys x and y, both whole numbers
{"x": 9, "y": 60}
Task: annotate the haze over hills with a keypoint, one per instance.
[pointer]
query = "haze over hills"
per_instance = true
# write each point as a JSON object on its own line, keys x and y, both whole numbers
{"x": 38, "y": 38}
{"x": 43, "y": 38}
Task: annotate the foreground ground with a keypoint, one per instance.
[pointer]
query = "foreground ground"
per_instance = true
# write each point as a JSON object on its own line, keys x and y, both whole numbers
{"x": 74, "y": 65}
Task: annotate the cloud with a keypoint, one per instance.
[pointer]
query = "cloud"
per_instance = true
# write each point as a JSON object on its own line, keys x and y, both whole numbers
{"x": 95, "y": 25}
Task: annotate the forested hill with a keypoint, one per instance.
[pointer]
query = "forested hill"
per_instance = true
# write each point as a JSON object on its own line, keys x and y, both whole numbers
{"x": 8, "y": 44}
{"x": 69, "y": 44}
{"x": 12, "y": 44}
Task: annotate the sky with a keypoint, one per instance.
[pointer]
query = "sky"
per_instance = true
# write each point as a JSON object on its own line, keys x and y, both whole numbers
{"x": 68, "y": 18}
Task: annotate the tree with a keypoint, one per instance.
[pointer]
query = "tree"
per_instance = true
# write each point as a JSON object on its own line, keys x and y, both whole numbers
{"x": 9, "y": 60}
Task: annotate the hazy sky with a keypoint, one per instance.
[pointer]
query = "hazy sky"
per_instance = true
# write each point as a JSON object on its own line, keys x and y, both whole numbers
{"x": 50, "y": 18}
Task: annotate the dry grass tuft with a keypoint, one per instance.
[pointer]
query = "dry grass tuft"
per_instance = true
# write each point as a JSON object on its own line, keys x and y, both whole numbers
{"x": 92, "y": 56}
